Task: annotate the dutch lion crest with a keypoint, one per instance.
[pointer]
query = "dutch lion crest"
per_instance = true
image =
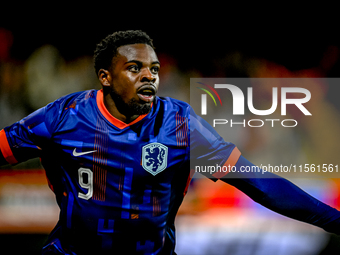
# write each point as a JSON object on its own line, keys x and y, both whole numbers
{"x": 154, "y": 157}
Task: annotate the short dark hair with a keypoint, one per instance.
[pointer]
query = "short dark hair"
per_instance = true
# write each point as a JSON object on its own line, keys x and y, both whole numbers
{"x": 107, "y": 48}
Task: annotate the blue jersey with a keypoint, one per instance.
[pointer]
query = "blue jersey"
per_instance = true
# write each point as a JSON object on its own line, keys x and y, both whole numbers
{"x": 118, "y": 185}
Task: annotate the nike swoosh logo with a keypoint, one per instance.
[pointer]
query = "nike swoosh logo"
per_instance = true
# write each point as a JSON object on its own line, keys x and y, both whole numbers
{"x": 77, "y": 154}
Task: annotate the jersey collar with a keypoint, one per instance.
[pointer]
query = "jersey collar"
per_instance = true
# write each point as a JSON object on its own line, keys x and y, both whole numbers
{"x": 107, "y": 115}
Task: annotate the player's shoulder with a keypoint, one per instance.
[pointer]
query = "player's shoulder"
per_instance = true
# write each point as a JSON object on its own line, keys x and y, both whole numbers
{"x": 175, "y": 105}
{"x": 68, "y": 104}
{"x": 76, "y": 97}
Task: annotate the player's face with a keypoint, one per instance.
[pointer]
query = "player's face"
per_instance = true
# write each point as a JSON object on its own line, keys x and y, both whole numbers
{"x": 134, "y": 81}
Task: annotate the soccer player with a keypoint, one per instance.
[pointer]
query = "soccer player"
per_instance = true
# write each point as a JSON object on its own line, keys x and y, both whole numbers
{"x": 118, "y": 159}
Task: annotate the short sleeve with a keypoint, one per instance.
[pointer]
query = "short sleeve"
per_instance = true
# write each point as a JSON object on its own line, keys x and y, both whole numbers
{"x": 26, "y": 138}
{"x": 209, "y": 153}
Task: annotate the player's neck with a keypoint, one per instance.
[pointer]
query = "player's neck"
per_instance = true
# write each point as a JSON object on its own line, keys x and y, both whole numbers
{"x": 113, "y": 110}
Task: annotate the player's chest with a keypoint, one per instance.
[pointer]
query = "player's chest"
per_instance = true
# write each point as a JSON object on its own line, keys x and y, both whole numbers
{"x": 145, "y": 151}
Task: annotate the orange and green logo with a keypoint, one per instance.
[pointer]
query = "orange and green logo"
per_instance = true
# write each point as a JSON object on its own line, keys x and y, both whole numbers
{"x": 207, "y": 88}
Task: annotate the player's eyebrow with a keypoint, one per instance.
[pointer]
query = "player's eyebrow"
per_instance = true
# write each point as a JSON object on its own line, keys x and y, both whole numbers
{"x": 141, "y": 63}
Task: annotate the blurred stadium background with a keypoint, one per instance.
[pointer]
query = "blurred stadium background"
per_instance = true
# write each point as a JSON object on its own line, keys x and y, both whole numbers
{"x": 44, "y": 55}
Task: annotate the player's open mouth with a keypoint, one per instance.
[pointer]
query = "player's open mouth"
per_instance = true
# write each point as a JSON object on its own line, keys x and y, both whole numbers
{"x": 147, "y": 93}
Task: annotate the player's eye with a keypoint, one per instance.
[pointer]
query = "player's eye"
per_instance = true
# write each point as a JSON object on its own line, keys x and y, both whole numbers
{"x": 133, "y": 68}
{"x": 155, "y": 69}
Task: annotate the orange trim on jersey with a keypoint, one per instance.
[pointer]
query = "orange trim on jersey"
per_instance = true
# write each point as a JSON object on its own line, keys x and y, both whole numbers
{"x": 231, "y": 161}
{"x": 6, "y": 149}
{"x": 118, "y": 123}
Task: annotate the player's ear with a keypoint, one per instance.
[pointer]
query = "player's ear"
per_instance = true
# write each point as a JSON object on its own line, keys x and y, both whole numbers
{"x": 104, "y": 77}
